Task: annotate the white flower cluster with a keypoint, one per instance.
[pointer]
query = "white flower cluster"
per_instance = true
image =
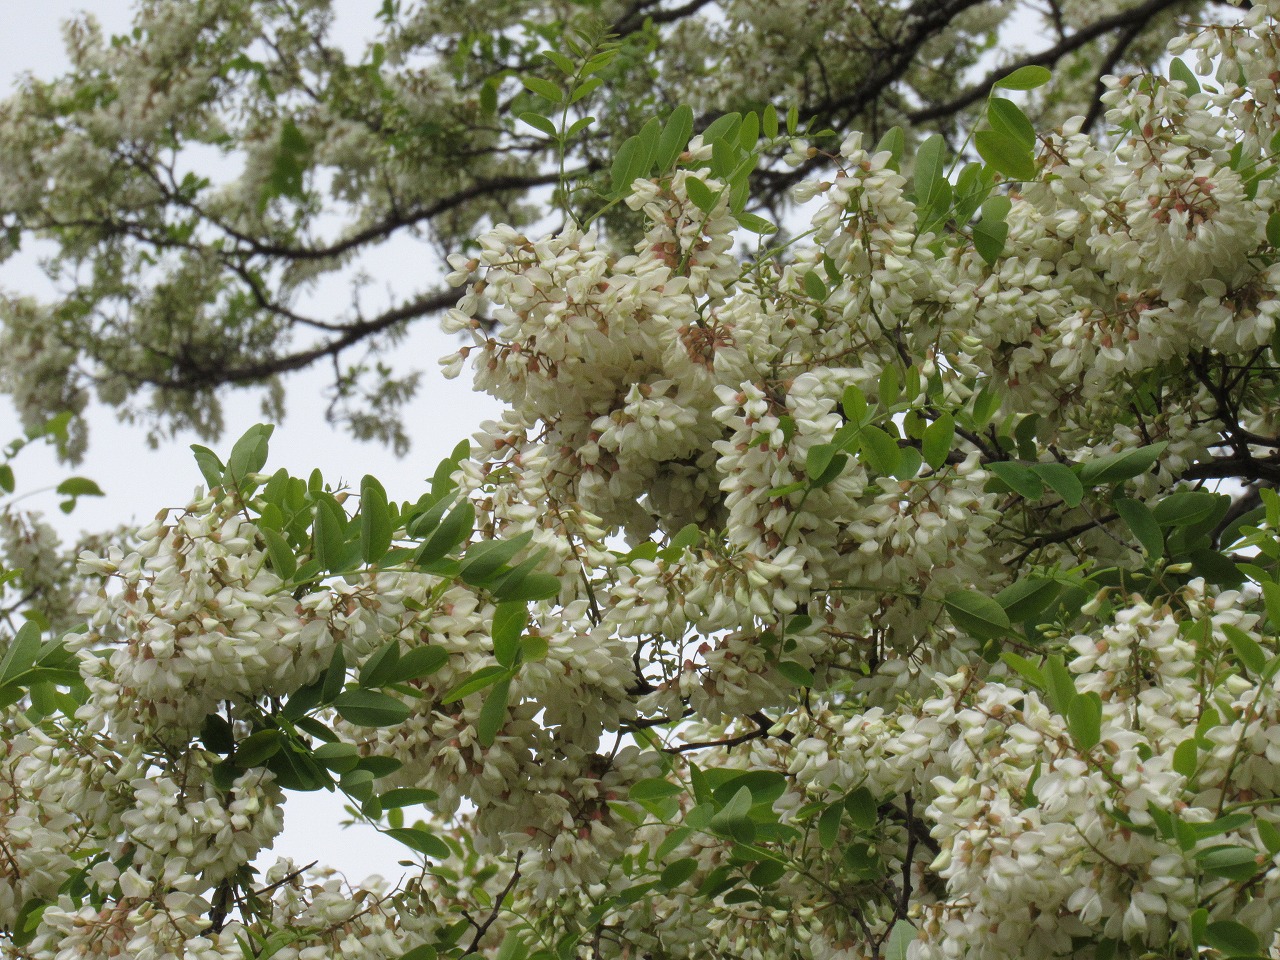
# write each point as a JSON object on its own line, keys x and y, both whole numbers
{"x": 197, "y": 617}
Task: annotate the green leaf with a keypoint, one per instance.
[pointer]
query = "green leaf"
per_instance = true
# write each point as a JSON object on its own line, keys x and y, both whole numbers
{"x": 754, "y": 224}
{"x": 337, "y": 756}
{"x": 977, "y": 615}
{"x": 894, "y": 141}
{"x": 1026, "y": 669}
{"x": 1181, "y": 72}
{"x": 249, "y": 454}
{"x": 1269, "y": 836}
{"x": 938, "y": 437}
{"x": 1084, "y": 720}
{"x": 818, "y": 459}
{"x": 1186, "y": 508}
{"x": 1138, "y": 517}
{"x": 889, "y": 386}
{"x": 722, "y": 128}
{"x": 985, "y": 405}
{"x": 585, "y": 89}
{"x": 991, "y": 231}
{"x": 578, "y": 126}
{"x": 929, "y": 172}
{"x": 329, "y": 533}
{"x": 536, "y": 586}
{"x": 1026, "y": 78}
{"x": 27, "y": 922}
{"x": 540, "y": 123}
{"x": 1006, "y": 118}
{"x": 767, "y": 873}
{"x": 1273, "y": 233}
{"x": 484, "y": 677}
{"x": 1062, "y": 687}
{"x": 854, "y": 405}
{"x": 989, "y": 239}
{"x": 79, "y": 487}
{"x": 769, "y": 121}
{"x": 701, "y": 195}
{"x": 454, "y": 529}
{"x": 861, "y": 807}
{"x": 973, "y": 186}
{"x": 216, "y": 734}
{"x": 211, "y": 467}
{"x": 420, "y": 840}
{"x": 829, "y": 825}
{"x": 380, "y": 667}
{"x": 562, "y": 63}
{"x": 648, "y": 136}
{"x": 1246, "y": 649}
{"x": 543, "y": 88}
{"x": 900, "y": 938}
{"x": 1232, "y": 939}
{"x": 335, "y": 676}
{"x": 1005, "y": 154}
{"x": 494, "y": 713}
{"x": 1028, "y": 598}
{"x": 1230, "y": 861}
{"x": 653, "y": 789}
{"x": 283, "y": 561}
{"x": 509, "y": 622}
{"x": 797, "y": 674}
{"x": 733, "y": 819}
{"x": 258, "y": 748}
{"x": 1186, "y": 756}
{"x": 407, "y": 797}
{"x": 687, "y": 536}
{"x": 375, "y": 520}
{"x": 482, "y": 560}
{"x": 1271, "y": 599}
{"x": 369, "y": 708}
{"x": 1062, "y": 480}
{"x": 1019, "y": 478}
{"x": 418, "y": 663}
{"x": 879, "y": 450}
{"x": 766, "y": 787}
{"x": 6, "y": 478}
{"x": 625, "y": 162}
{"x": 1116, "y": 467}
{"x": 675, "y": 137}
{"x": 909, "y": 461}
{"x": 814, "y": 287}
{"x": 677, "y": 873}
{"x": 22, "y": 652}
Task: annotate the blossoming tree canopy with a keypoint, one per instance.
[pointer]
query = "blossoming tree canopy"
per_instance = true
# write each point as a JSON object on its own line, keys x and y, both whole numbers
{"x": 866, "y": 596}
{"x": 197, "y": 176}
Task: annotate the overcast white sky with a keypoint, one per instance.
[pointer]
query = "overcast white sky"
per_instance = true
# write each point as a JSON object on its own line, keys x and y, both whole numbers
{"x": 139, "y": 481}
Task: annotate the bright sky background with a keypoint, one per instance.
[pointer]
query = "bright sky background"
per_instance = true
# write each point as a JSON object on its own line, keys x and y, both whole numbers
{"x": 139, "y": 481}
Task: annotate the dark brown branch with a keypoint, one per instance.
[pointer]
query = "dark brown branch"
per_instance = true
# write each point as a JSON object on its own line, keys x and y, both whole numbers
{"x": 1236, "y": 468}
{"x": 1137, "y": 15}
{"x": 384, "y": 228}
{"x": 483, "y": 928}
{"x": 904, "y": 898}
{"x": 634, "y": 18}
{"x": 209, "y": 377}
{"x": 763, "y": 725}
